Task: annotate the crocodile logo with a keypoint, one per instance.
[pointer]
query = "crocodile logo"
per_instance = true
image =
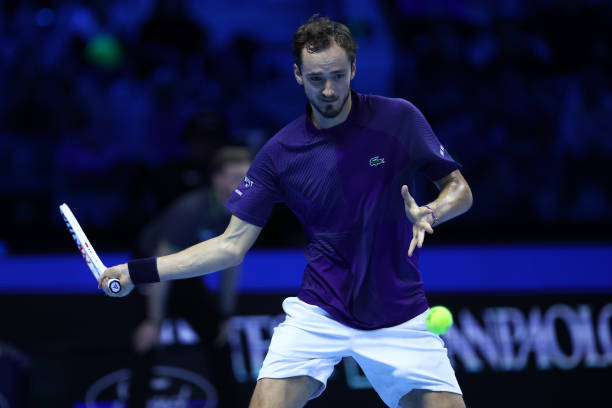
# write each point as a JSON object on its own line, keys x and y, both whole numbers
{"x": 375, "y": 161}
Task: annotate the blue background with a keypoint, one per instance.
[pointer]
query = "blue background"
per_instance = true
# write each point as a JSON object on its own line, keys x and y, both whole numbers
{"x": 445, "y": 269}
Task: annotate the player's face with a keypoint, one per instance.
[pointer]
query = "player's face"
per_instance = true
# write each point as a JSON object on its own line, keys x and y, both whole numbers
{"x": 326, "y": 76}
{"x": 228, "y": 178}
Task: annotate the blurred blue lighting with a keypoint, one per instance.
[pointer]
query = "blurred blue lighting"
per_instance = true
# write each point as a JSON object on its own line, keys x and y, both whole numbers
{"x": 445, "y": 269}
{"x": 45, "y": 17}
{"x": 83, "y": 21}
{"x": 482, "y": 50}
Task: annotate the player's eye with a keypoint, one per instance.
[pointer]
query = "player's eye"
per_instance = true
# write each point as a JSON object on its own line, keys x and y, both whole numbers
{"x": 315, "y": 78}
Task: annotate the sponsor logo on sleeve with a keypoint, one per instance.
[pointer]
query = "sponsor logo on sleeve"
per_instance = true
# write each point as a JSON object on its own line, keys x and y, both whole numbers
{"x": 247, "y": 184}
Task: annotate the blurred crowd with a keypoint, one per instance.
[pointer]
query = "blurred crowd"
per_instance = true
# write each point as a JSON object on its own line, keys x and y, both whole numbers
{"x": 115, "y": 107}
{"x": 521, "y": 94}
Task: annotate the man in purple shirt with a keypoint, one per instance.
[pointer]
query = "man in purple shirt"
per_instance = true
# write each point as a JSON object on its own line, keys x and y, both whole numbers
{"x": 344, "y": 168}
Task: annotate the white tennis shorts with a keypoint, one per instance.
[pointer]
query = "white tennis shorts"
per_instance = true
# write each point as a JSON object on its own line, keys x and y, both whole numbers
{"x": 395, "y": 359}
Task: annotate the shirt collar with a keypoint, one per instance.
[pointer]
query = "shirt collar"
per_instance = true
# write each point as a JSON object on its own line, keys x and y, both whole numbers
{"x": 312, "y": 129}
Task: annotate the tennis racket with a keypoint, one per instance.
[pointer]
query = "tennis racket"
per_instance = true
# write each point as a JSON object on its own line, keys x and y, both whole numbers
{"x": 89, "y": 254}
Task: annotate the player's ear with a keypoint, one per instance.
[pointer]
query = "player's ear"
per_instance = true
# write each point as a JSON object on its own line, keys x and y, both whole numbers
{"x": 298, "y": 74}
{"x": 353, "y": 68}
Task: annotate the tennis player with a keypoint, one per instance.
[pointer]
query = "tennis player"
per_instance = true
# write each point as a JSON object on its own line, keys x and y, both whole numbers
{"x": 344, "y": 168}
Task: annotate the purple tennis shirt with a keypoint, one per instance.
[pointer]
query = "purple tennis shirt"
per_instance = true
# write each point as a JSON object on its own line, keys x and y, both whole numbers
{"x": 344, "y": 184}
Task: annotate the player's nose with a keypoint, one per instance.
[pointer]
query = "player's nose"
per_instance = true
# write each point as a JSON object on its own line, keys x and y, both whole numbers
{"x": 328, "y": 90}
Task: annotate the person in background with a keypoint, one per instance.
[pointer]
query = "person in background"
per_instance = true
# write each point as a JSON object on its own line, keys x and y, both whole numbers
{"x": 194, "y": 217}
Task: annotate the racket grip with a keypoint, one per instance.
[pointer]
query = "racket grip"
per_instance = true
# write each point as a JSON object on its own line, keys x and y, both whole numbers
{"x": 114, "y": 285}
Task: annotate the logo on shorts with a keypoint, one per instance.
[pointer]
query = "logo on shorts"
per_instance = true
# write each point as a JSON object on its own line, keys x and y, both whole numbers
{"x": 375, "y": 161}
{"x": 441, "y": 150}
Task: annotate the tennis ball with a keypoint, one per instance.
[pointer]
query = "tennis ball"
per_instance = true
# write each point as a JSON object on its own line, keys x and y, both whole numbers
{"x": 439, "y": 319}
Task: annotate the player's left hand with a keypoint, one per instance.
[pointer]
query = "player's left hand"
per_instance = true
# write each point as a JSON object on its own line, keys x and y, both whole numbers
{"x": 419, "y": 217}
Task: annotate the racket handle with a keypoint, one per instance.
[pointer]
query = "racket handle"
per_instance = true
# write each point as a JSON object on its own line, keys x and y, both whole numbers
{"x": 114, "y": 285}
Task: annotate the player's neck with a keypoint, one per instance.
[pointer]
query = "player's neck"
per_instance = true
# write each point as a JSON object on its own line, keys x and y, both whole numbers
{"x": 322, "y": 122}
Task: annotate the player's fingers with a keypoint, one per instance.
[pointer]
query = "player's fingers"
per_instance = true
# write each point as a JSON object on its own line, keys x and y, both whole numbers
{"x": 408, "y": 200}
{"x": 412, "y": 245}
{"x": 424, "y": 210}
{"x": 104, "y": 276}
{"x": 104, "y": 280}
{"x": 101, "y": 281}
{"x": 105, "y": 287}
{"x": 418, "y": 215}
{"x": 421, "y": 238}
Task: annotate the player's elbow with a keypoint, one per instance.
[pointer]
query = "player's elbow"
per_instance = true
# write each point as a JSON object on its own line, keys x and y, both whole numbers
{"x": 233, "y": 253}
{"x": 237, "y": 256}
{"x": 468, "y": 198}
{"x": 462, "y": 197}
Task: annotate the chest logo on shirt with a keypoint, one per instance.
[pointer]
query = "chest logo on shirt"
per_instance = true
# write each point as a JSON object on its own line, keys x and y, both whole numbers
{"x": 375, "y": 161}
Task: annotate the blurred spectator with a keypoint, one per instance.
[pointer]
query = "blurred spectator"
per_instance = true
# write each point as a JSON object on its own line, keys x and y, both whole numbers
{"x": 203, "y": 134}
{"x": 192, "y": 218}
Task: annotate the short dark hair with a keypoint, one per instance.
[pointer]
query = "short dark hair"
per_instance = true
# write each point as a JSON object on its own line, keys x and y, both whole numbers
{"x": 318, "y": 34}
{"x": 227, "y": 155}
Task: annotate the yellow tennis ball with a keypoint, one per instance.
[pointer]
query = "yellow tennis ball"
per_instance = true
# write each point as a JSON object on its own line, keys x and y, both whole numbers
{"x": 439, "y": 319}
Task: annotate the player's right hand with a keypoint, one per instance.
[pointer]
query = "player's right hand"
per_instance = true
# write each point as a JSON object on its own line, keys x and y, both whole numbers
{"x": 116, "y": 272}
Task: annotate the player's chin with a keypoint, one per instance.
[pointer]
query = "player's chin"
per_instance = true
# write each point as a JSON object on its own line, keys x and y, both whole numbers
{"x": 330, "y": 112}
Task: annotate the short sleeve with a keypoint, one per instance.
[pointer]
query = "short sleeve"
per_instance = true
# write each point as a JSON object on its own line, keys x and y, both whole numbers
{"x": 255, "y": 197}
{"x": 429, "y": 155}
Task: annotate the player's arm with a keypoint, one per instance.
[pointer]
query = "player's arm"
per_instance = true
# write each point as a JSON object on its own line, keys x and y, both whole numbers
{"x": 454, "y": 198}
{"x": 221, "y": 252}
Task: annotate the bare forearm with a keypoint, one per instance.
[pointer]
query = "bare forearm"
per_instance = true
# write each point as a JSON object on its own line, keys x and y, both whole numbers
{"x": 222, "y": 252}
{"x": 206, "y": 257}
{"x": 454, "y": 199}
